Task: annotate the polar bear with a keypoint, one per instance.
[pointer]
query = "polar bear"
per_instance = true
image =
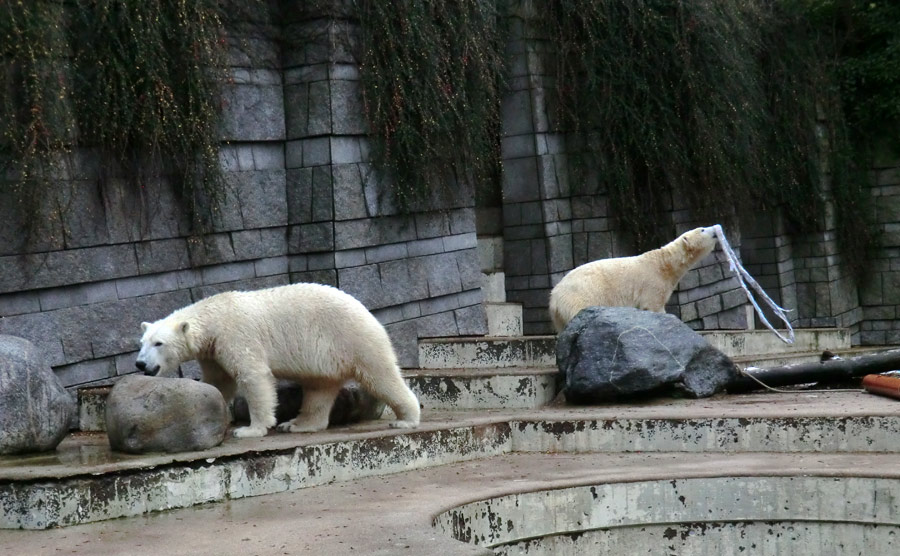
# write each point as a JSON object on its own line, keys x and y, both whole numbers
{"x": 314, "y": 334}
{"x": 644, "y": 281}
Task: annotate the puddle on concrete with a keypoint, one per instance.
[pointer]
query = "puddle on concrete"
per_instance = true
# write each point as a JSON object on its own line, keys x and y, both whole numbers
{"x": 79, "y": 449}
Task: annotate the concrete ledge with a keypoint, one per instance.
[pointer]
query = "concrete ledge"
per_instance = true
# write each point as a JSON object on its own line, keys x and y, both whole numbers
{"x": 83, "y": 481}
{"x": 756, "y": 342}
{"x": 394, "y": 515}
{"x": 606, "y": 516}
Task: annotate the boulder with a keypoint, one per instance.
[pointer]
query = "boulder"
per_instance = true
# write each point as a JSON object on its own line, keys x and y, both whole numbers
{"x": 35, "y": 408}
{"x": 615, "y": 353}
{"x": 155, "y": 414}
{"x": 352, "y": 405}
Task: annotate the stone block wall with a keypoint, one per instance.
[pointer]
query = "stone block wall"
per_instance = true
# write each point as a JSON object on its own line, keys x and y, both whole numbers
{"x": 418, "y": 273}
{"x": 537, "y": 230}
{"x": 300, "y": 203}
{"x": 879, "y": 292}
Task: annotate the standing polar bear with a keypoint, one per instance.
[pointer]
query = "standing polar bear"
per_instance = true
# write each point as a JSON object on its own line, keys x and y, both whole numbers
{"x": 314, "y": 334}
{"x": 644, "y": 281}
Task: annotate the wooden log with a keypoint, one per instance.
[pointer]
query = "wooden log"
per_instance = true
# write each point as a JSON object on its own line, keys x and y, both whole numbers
{"x": 805, "y": 373}
{"x": 882, "y": 385}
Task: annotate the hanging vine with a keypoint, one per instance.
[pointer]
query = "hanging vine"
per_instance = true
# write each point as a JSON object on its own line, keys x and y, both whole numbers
{"x": 136, "y": 81}
{"x": 431, "y": 73}
{"x": 719, "y": 101}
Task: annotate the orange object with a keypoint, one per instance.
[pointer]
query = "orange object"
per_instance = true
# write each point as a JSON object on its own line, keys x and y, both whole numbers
{"x": 882, "y": 385}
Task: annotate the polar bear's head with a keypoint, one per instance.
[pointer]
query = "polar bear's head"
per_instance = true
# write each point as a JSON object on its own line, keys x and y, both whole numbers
{"x": 697, "y": 243}
{"x": 163, "y": 347}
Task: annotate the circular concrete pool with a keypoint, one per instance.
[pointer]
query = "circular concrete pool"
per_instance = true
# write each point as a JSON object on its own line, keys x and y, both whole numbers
{"x": 794, "y": 516}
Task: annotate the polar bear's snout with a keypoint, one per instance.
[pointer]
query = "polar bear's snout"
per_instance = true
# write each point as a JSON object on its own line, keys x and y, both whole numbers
{"x": 149, "y": 371}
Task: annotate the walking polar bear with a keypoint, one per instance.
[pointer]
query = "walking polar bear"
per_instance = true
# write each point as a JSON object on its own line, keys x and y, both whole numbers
{"x": 644, "y": 281}
{"x": 314, "y": 334}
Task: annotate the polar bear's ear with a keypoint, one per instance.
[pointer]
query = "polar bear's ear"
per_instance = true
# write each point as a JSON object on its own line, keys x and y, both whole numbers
{"x": 145, "y": 326}
{"x": 184, "y": 327}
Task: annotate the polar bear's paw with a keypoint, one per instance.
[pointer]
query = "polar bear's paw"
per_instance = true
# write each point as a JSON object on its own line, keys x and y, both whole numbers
{"x": 249, "y": 432}
{"x": 403, "y": 424}
{"x": 290, "y": 426}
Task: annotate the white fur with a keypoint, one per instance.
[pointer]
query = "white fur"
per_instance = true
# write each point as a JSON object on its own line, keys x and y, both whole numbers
{"x": 644, "y": 281}
{"x": 314, "y": 334}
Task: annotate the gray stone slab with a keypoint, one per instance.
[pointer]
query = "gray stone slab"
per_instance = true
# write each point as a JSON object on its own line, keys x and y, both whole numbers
{"x": 352, "y": 234}
{"x": 348, "y": 116}
{"x": 442, "y": 274}
{"x": 316, "y": 151}
{"x": 60, "y": 268}
{"x": 256, "y": 244}
{"x": 329, "y": 277}
{"x": 388, "y": 252}
{"x": 82, "y": 210}
{"x": 162, "y": 255}
{"x": 263, "y": 197}
{"x": 319, "y": 108}
{"x": 421, "y": 247}
{"x": 709, "y": 306}
{"x": 231, "y": 272}
{"x": 253, "y": 112}
{"x": 79, "y": 294}
{"x": 320, "y": 261}
{"x": 516, "y": 115}
{"x": 346, "y": 149}
{"x": 350, "y": 257}
{"x": 19, "y": 303}
{"x": 271, "y": 266}
{"x": 307, "y": 238}
{"x": 363, "y": 283}
{"x": 240, "y": 285}
{"x": 432, "y": 224}
{"x": 460, "y": 241}
{"x": 322, "y": 195}
{"x": 210, "y": 249}
{"x": 520, "y": 180}
{"x": 349, "y": 198}
{"x": 144, "y": 285}
{"x": 299, "y": 195}
{"x": 86, "y": 372}
{"x": 296, "y": 111}
{"x": 399, "y": 284}
{"x": 469, "y": 269}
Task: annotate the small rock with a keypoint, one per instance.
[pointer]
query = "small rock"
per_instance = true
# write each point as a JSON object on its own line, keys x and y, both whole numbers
{"x": 352, "y": 405}
{"x": 614, "y": 353}
{"x": 35, "y": 408}
{"x": 154, "y": 414}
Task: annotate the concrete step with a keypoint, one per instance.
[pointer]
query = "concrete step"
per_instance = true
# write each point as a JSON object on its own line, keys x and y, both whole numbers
{"x": 504, "y": 319}
{"x": 487, "y": 352}
{"x": 507, "y": 388}
{"x": 443, "y": 389}
{"x": 740, "y": 343}
{"x": 525, "y": 351}
{"x": 780, "y": 359}
{"x": 83, "y": 481}
{"x": 493, "y": 287}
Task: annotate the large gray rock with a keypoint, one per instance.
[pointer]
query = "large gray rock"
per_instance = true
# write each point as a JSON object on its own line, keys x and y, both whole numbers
{"x": 352, "y": 405}
{"x": 35, "y": 409}
{"x": 615, "y": 353}
{"x": 154, "y": 414}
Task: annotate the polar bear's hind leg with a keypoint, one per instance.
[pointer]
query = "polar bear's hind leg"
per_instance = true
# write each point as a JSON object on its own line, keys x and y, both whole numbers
{"x": 315, "y": 409}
